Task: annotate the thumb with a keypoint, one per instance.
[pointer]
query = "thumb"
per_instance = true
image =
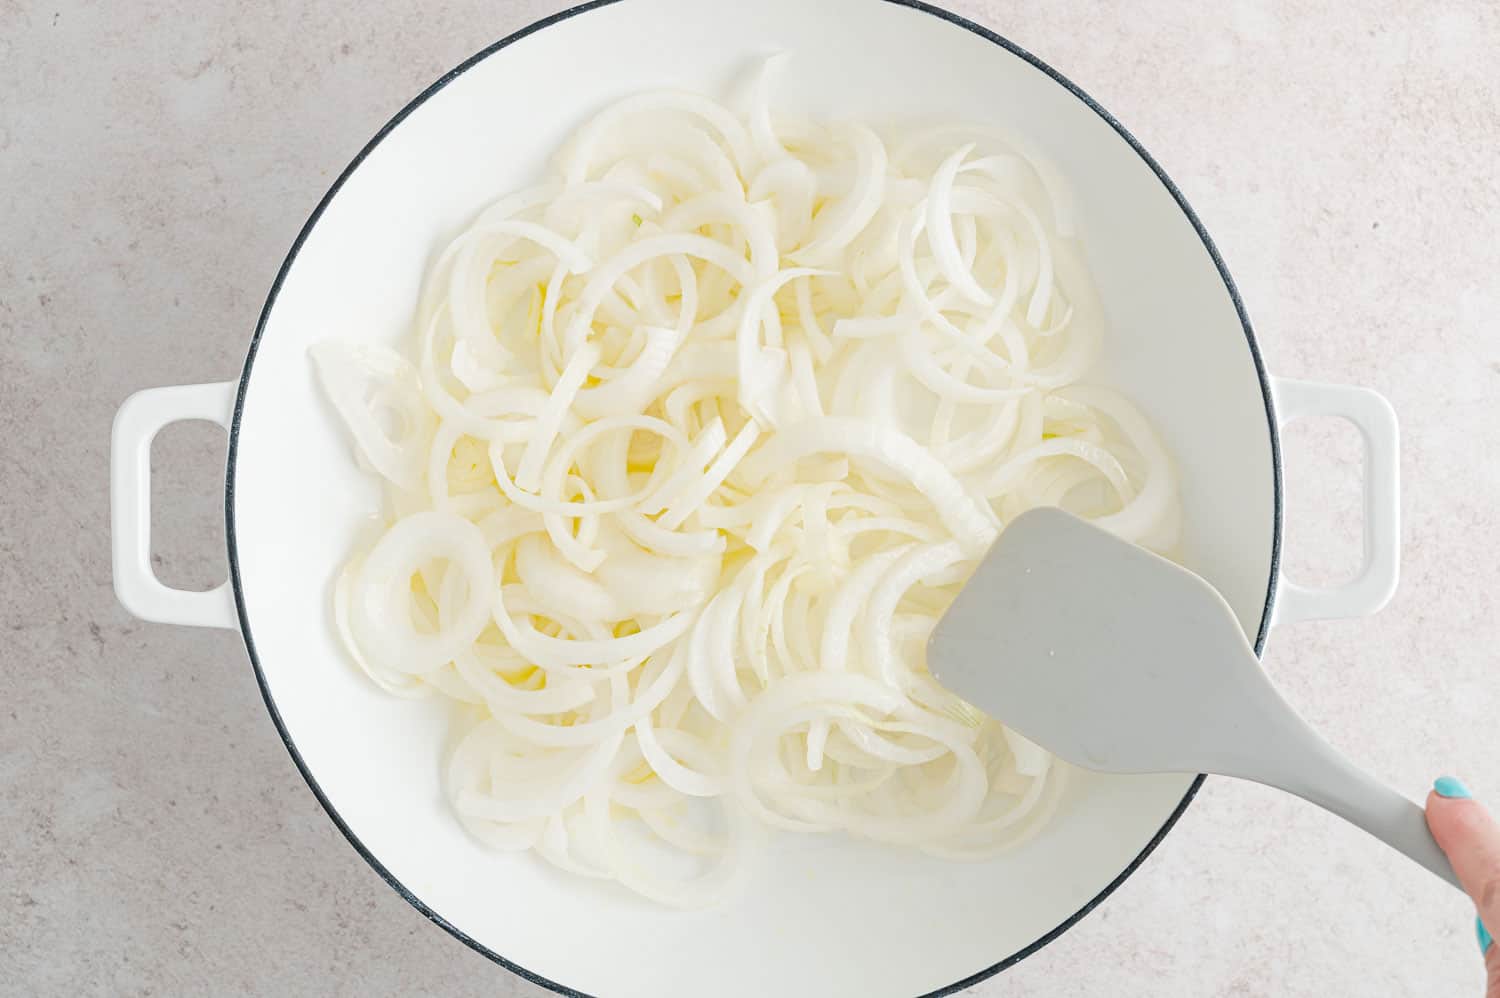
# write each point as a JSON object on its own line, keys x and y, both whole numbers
{"x": 1470, "y": 836}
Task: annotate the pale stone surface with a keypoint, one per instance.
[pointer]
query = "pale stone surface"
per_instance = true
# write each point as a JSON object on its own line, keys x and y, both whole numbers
{"x": 157, "y": 158}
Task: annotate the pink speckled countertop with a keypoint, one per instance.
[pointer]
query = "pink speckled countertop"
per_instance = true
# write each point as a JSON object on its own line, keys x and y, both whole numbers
{"x": 156, "y": 160}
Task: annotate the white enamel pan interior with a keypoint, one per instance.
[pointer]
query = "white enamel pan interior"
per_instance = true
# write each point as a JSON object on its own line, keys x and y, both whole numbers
{"x": 822, "y": 915}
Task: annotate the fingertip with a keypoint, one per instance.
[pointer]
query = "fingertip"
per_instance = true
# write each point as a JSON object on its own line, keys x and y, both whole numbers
{"x": 1438, "y": 804}
{"x": 1455, "y": 817}
{"x": 1470, "y": 837}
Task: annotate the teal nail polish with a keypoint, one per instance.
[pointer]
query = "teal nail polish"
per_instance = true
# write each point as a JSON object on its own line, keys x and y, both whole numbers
{"x": 1485, "y": 941}
{"x": 1451, "y": 786}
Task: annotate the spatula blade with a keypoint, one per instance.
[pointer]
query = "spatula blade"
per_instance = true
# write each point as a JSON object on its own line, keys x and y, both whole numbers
{"x": 1109, "y": 656}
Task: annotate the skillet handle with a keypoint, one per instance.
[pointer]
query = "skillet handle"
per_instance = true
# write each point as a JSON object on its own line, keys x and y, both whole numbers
{"x": 1376, "y": 581}
{"x": 137, "y": 422}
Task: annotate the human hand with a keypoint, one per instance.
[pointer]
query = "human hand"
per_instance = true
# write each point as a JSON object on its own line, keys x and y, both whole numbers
{"x": 1470, "y": 836}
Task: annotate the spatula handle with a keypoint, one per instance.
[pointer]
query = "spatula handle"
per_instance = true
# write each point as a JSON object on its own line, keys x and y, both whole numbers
{"x": 1315, "y": 771}
{"x": 1389, "y": 816}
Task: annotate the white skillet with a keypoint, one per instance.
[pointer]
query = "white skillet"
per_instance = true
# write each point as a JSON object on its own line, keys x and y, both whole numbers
{"x": 824, "y": 916}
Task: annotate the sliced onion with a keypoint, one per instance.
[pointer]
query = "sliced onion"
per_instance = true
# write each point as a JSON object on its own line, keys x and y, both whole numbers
{"x": 379, "y": 397}
{"x": 698, "y": 440}
{"x": 382, "y": 591}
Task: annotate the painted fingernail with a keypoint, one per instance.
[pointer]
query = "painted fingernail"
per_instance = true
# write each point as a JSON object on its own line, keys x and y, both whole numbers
{"x": 1485, "y": 941}
{"x": 1451, "y": 786}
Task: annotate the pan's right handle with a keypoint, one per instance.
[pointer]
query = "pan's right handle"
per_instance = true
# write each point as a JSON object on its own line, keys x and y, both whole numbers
{"x": 140, "y": 418}
{"x": 1373, "y": 416}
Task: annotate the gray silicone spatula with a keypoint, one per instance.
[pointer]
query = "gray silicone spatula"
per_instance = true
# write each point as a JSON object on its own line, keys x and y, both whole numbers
{"x": 1120, "y": 661}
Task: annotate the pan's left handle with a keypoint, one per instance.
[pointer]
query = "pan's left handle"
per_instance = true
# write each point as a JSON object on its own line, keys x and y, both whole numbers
{"x": 140, "y": 418}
